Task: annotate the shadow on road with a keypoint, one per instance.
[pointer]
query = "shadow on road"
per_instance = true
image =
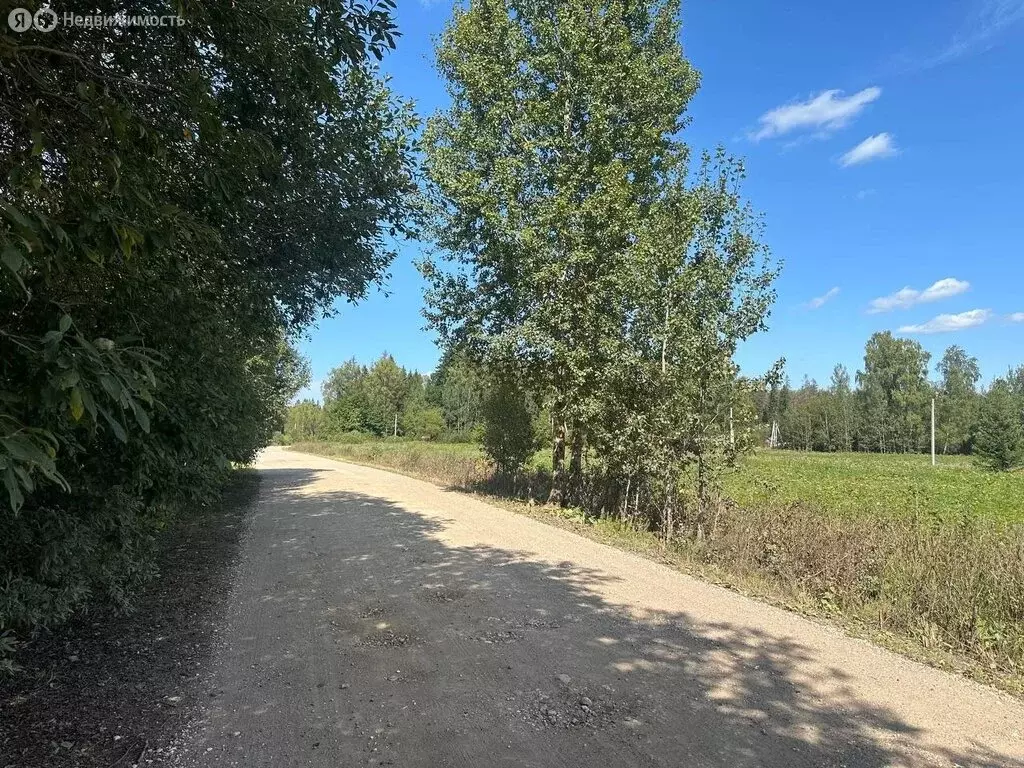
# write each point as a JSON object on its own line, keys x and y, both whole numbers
{"x": 526, "y": 657}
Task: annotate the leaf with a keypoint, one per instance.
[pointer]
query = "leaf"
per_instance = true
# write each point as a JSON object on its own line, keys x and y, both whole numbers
{"x": 15, "y": 496}
{"x": 115, "y": 425}
{"x": 67, "y": 379}
{"x": 76, "y": 404}
{"x": 111, "y": 386}
{"x": 141, "y": 417}
{"x": 64, "y": 324}
{"x": 14, "y": 261}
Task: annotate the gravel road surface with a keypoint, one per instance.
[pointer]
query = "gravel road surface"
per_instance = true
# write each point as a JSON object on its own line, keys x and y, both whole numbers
{"x": 380, "y": 620}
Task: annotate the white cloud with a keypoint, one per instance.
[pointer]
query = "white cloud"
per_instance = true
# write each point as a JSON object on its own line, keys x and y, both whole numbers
{"x": 864, "y": 194}
{"x": 1016, "y": 317}
{"x": 820, "y": 301}
{"x": 872, "y": 148}
{"x": 982, "y": 31}
{"x": 946, "y": 323}
{"x": 908, "y": 297}
{"x": 828, "y": 111}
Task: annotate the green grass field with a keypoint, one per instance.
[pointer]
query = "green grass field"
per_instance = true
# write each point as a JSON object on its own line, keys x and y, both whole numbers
{"x": 835, "y": 483}
{"x": 858, "y": 483}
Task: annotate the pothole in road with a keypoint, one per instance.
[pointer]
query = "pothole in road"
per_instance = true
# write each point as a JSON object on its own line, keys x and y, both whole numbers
{"x": 442, "y": 596}
{"x": 571, "y": 707}
{"x": 506, "y": 636}
{"x": 372, "y": 612}
{"x": 389, "y": 639}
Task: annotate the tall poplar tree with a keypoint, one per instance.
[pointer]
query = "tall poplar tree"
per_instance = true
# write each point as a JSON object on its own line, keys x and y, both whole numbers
{"x": 561, "y": 137}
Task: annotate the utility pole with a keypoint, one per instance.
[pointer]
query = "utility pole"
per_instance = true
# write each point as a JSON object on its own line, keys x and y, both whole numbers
{"x": 933, "y": 431}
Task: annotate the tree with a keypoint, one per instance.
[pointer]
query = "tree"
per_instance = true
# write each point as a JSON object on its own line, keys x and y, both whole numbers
{"x": 999, "y": 443}
{"x": 956, "y": 409}
{"x": 305, "y": 421}
{"x": 559, "y": 139}
{"x": 459, "y": 385}
{"x": 842, "y": 408}
{"x": 894, "y": 394}
{"x": 386, "y": 387}
{"x": 509, "y": 439}
{"x": 174, "y": 205}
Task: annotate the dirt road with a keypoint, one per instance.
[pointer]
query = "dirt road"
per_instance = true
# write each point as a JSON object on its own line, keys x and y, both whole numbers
{"x": 379, "y": 620}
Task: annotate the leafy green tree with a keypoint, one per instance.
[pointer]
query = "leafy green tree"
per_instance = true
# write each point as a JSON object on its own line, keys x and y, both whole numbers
{"x": 386, "y": 387}
{"x": 842, "y": 408}
{"x": 422, "y": 422}
{"x": 173, "y": 206}
{"x": 999, "y": 442}
{"x": 894, "y": 394}
{"x": 459, "y": 385}
{"x": 305, "y": 421}
{"x": 509, "y": 439}
{"x": 558, "y": 142}
{"x": 345, "y": 400}
{"x": 957, "y": 401}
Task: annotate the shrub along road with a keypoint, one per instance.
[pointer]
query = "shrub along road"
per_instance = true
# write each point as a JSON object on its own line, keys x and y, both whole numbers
{"x": 380, "y": 620}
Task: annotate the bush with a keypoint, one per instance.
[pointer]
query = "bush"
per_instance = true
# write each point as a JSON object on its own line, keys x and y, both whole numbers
{"x": 999, "y": 442}
{"x": 423, "y": 423}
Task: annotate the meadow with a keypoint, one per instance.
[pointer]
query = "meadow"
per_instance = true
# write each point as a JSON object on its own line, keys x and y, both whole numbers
{"x": 877, "y": 484}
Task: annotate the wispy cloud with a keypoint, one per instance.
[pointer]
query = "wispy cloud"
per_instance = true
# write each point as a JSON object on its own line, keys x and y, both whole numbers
{"x": 1016, "y": 317}
{"x": 872, "y": 148}
{"x": 981, "y": 31}
{"x": 947, "y": 323}
{"x": 819, "y": 301}
{"x": 826, "y": 112}
{"x": 864, "y": 194}
{"x": 908, "y": 297}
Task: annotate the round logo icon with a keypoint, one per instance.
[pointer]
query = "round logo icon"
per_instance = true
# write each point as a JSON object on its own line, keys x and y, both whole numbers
{"x": 45, "y": 19}
{"x": 20, "y": 20}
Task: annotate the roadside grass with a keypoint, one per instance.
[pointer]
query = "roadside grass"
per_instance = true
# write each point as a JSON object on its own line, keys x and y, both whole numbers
{"x": 928, "y": 562}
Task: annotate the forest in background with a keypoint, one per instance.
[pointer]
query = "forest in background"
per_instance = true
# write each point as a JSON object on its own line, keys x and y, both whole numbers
{"x": 883, "y": 408}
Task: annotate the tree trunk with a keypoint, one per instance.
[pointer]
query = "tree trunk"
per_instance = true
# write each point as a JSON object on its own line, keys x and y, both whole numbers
{"x": 557, "y": 495}
{"x": 575, "y": 464}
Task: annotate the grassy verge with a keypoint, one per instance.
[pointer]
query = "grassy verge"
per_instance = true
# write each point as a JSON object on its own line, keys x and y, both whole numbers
{"x": 944, "y": 587}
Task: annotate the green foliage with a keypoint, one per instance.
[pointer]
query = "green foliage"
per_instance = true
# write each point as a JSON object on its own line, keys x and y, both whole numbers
{"x": 175, "y": 205}
{"x": 423, "y": 423}
{"x": 888, "y": 412}
{"x": 458, "y": 385}
{"x": 957, "y": 402}
{"x": 999, "y": 441}
{"x": 508, "y": 439}
{"x": 306, "y": 420}
{"x": 894, "y": 391}
{"x": 582, "y": 255}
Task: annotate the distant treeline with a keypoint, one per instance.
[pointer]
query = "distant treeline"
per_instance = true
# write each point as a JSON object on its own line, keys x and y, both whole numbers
{"x": 883, "y": 408}
{"x": 886, "y": 406}
{"x": 384, "y": 399}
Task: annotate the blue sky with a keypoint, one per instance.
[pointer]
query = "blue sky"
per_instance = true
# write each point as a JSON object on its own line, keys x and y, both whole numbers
{"x": 883, "y": 144}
